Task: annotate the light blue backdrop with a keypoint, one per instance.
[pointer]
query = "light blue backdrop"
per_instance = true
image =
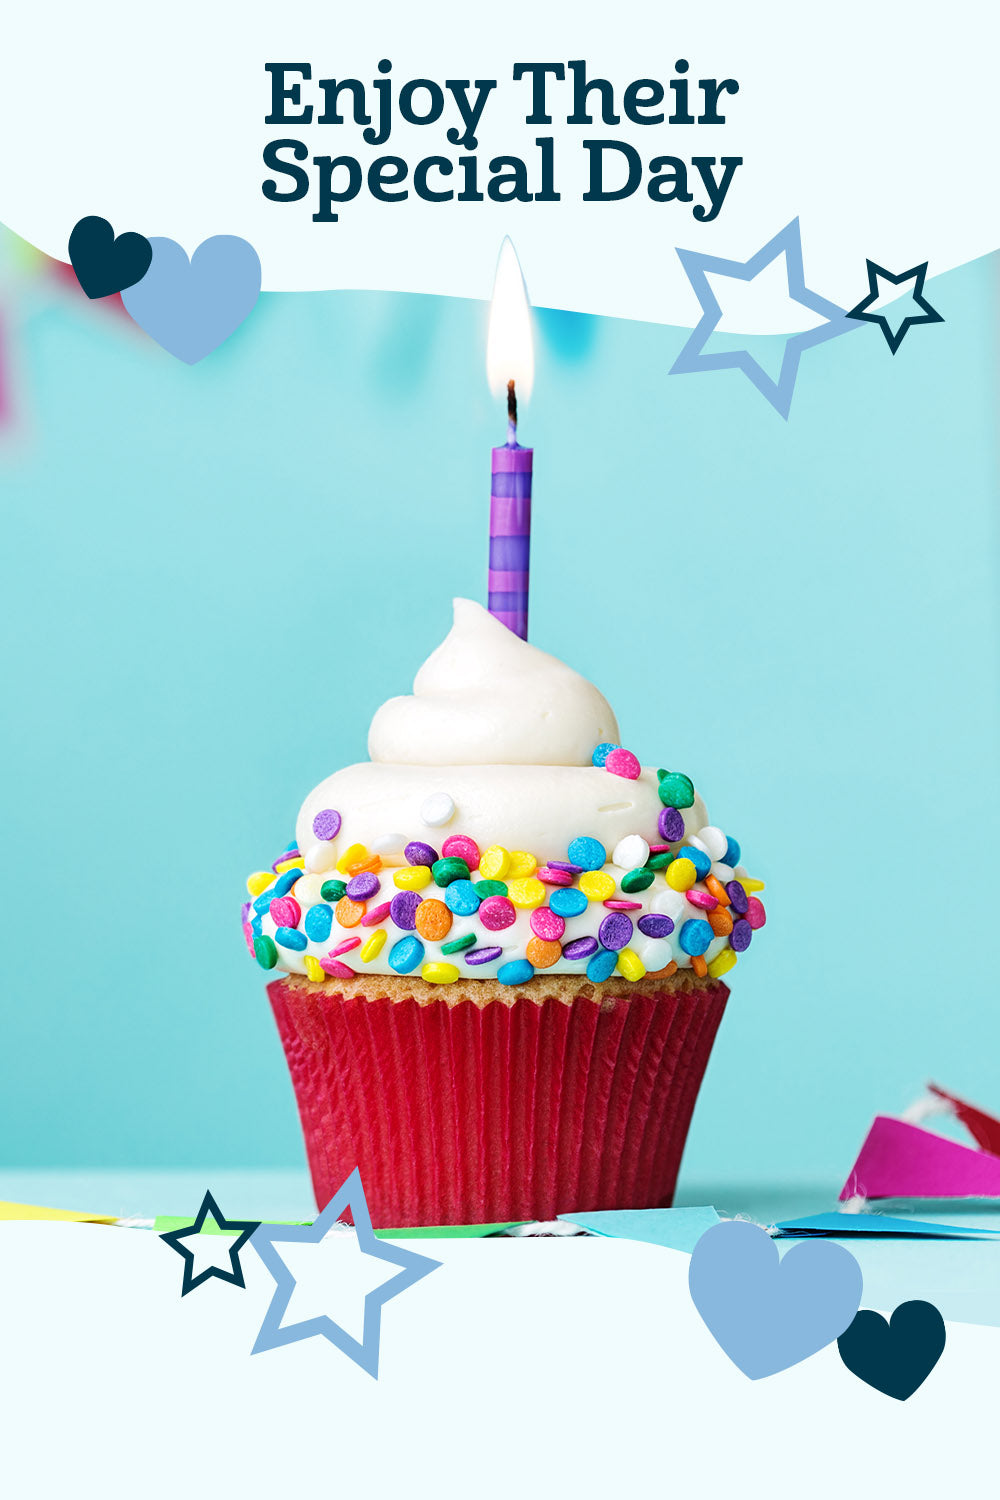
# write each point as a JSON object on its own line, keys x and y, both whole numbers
{"x": 213, "y": 575}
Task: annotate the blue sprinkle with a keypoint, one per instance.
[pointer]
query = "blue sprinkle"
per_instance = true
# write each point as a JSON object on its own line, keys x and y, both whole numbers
{"x": 284, "y": 883}
{"x": 290, "y": 937}
{"x": 256, "y": 927}
{"x": 602, "y": 752}
{"x": 406, "y": 954}
{"x": 518, "y": 971}
{"x": 262, "y": 903}
{"x": 695, "y": 937}
{"x": 698, "y": 858}
{"x": 566, "y": 902}
{"x": 462, "y": 898}
{"x": 589, "y": 854}
{"x": 293, "y": 845}
{"x": 732, "y": 854}
{"x": 319, "y": 920}
{"x": 602, "y": 966}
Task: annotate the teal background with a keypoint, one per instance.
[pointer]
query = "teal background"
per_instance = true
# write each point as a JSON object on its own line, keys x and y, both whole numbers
{"x": 213, "y": 575}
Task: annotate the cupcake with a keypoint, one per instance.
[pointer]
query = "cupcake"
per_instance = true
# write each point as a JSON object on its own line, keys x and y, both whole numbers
{"x": 502, "y": 945}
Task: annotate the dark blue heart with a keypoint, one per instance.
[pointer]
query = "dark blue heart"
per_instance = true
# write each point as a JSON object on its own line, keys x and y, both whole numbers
{"x": 104, "y": 264}
{"x": 895, "y": 1357}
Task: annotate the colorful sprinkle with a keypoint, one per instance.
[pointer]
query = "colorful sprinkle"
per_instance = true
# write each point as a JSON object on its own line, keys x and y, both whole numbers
{"x": 739, "y": 938}
{"x": 281, "y": 865}
{"x": 695, "y": 936}
{"x": 713, "y": 841}
{"x": 547, "y": 924}
{"x": 717, "y": 889}
{"x": 314, "y": 969}
{"x": 733, "y": 854}
{"x": 415, "y": 878}
{"x": 698, "y": 858}
{"x": 405, "y": 955}
{"x": 681, "y": 875}
{"x": 589, "y": 854}
{"x": 630, "y": 852}
{"x": 482, "y": 955}
{"x": 373, "y": 946}
{"x": 326, "y": 824}
{"x": 720, "y": 921}
{"x": 332, "y": 890}
{"x": 484, "y": 888}
{"x": 433, "y": 920}
{"x": 437, "y": 810}
{"x": 636, "y": 880}
{"x": 756, "y": 915}
{"x": 548, "y": 876}
{"x": 284, "y": 883}
{"x": 352, "y": 855}
{"x": 602, "y": 751}
{"x": 377, "y": 914}
{"x": 265, "y": 952}
{"x": 496, "y": 913}
{"x": 460, "y": 847}
{"x": 370, "y": 865}
{"x": 527, "y": 893}
{"x": 699, "y": 966}
{"x": 459, "y": 945}
{"x": 676, "y": 789}
{"x": 751, "y": 885}
{"x": 623, "y": 905}
{"x": 580, "y": 948}
{"x": 654, "y": 925}
{"x": 623, "y": 763}
{"x": 363, "y": 886}
{"x": 345, "y": 946}
{"x": 722, "y": 963}
{"x": 336, "y": 969}
{"x": 348, "y": 912}
{"x": 596, "y": 885}
{"x": 568, "y": 903}
{"x": 258, "y": 882}
{"x": 565, "y": 866}
{"x": 518, "y": 971}
{"x": 738, "y": 896}
{"x": 291, "y": 937}
{"x": 615, "y": 931}
{"x": 439, "y": 973}
{"x": 671, "y": 824}
{"x": 521, "y": 865}
{"x": 285, "y": 911}
{"x": 403, "y": 910}
{"x": 658, "y": 861}
{"x": 630, "y": 964}
{"x": 703, "y": 900}
{"x": 447, "y": 870}
{"x": 494, "y": 862}
{"x": 417, "y": 853}
{"x": 602, "y": 966}
{"x": 319, "y": 920}
{"x": 542, "y": 954}
{"x": 320, "y": 857}
{"x": 462, "y": 898}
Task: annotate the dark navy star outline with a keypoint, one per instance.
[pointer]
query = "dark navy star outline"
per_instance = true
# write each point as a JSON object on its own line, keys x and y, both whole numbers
{"x": 691, "y": 360}
{"x": 366, "y": 1352}
{"x": 894, "y": 337}
{"x": 173, "y": 1238}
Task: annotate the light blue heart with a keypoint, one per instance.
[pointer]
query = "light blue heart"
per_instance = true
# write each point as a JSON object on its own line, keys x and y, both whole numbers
{"x": 768, "y": 1313}
{"x": 192, "y": 306}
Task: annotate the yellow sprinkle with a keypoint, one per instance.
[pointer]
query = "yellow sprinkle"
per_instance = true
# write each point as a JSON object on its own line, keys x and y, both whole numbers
{"x": 630, "y": 964}
{"x": 439, "y": 973}
{"x": 526, "y": 893}
{"x": 289, "y": 864}
{"x": 373, "y": 947}
{"x": 494, "y": 863}
{"x": 722, "y": 963}
{"x": 258, "y": 882}
{"x": 752, "y": 885}
{"x": 681, "y": 874}
{"x": 351, "y": 856}
{"x": 313, "y": 969}
{"x": 597, "y": 886}
{"x": 521, "y": 865}
{"x": 413, "y": 878}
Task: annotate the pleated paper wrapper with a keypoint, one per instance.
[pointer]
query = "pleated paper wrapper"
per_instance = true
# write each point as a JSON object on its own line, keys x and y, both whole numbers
{"x": 472, "y": 1113}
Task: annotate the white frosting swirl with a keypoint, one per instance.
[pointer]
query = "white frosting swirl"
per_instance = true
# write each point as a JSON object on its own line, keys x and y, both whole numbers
{"x": 485, "y": 697}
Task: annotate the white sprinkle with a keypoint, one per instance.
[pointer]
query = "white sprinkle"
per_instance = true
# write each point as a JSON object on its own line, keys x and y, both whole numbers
{"x": 724, "y": 873}
{"x": 631, "y": 852}
{"x": 670, "y": 902}
{"x": 388, "y": 843}
{"x": 321, "y": 856}
{"x": 713, "y": 841}
{"x": 655, "y": 953}
{"x": 437, "y": 810}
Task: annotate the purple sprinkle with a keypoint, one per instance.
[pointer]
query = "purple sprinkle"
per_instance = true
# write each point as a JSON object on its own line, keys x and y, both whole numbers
{"x": 738, "y": 897}
{"x": 403, "y": 909}
{"x": 326, "y": 824}
{"x": 484, "y": 955}
{"x": 247, "y": 909}
{"x": 655, "y": 926}
{"x": 563, "y": 864}
{"x": 362, "y": 886}
{"x": 671, "y": 824}
{"x": 580, "y": 948}
{"x": 285, "y": 854}
{"x": 739, "y": 938}
{"x": 615, "y": 931}
{"x": 420, "y": 854}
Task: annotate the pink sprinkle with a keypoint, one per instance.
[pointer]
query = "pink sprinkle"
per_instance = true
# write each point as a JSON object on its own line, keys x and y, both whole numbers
{"x": 344, "y": 947}
{"x": 548, "y": 876}
{"x": 496, "y": 913}
{"x": 285, "y": 911}
{"x": 659, "y": 848}
{"x": 702, "y": 899}
{"x": 756, "y": 915}
{"x": 248, "y": 934}
{"x": 460, "y": 847}
{"x": 375, "y": 916}
{"x": 547, "y": 924}
{"x": 623, "y": 763}
{"x": 623, "y": 905}
{"x": 336, "y": 970}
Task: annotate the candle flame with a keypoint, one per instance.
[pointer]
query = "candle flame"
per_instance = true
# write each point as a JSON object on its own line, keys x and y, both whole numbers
{"x": 510, "y": 351}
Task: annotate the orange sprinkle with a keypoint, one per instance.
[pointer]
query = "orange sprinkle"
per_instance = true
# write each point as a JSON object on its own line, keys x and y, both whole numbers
{"x": 699, "y": 966}
{"x": 433, "y": 920}
{"x": 540, "y": 952}
{"x": 348, "y": 912}
{"x": 720, "y": 922}
{"x": 718, "y": 890}
{"x": 371, "y": 865}
{"x": 662, "y": 973}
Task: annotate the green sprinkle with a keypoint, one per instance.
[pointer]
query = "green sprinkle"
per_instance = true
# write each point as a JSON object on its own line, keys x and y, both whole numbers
{"x": 484, "y": 888}
{"x": 265, "y": 951}
{"x": 459, "y": 944}
{"x": 676, "y": 789}
{"x": 659, "y": 861}
{"x": 332, "y": 890}
{"x": 447, "y": 870}
{"x": 636, "y": 880}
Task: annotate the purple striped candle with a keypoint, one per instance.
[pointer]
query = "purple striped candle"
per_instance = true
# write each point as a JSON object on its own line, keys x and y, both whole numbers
{"x": 510, "y": 529}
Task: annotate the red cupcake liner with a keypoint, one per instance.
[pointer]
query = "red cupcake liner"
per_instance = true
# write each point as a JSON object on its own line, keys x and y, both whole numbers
{"x": 471, "y": 1114}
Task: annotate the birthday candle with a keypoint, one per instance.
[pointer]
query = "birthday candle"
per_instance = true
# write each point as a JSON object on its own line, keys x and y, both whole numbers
{"x": 510, "y": 359}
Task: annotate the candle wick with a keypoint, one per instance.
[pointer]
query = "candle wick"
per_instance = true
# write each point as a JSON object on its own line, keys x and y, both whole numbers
{"x": 511, "y": 415}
